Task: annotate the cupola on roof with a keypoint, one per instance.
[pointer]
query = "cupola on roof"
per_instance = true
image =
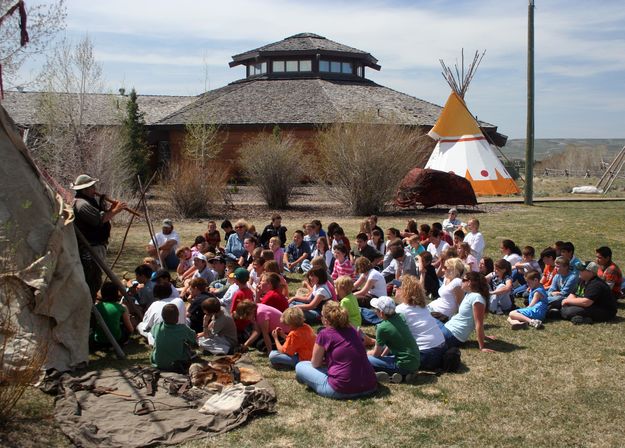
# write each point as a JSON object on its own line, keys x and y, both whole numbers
{"x": 305, "y": 44}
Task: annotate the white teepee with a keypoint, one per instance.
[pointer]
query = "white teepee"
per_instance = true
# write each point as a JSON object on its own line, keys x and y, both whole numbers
{"x": 462, "y": 148}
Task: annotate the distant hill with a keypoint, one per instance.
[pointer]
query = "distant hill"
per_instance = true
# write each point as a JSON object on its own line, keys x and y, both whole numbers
{"x": 543, "y": 148}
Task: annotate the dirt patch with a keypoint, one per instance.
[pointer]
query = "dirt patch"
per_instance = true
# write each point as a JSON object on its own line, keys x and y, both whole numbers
{"x": 307, "y": 202}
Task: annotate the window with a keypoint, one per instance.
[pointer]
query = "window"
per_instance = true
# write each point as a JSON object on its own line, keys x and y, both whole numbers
{"x": 258, "y": 69}
{"x": 297, "y": 66}
{"x": 278, "y": 66}
{"x": 338, "y": 67}
{"x": 359, "y": 71}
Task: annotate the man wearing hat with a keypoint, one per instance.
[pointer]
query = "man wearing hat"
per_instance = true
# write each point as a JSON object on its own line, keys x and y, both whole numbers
{"x": 92, "y": 218}
{"x": 593, "y": 301}
{"x": 392, "y": 336}
{"x": 167, "y": 242}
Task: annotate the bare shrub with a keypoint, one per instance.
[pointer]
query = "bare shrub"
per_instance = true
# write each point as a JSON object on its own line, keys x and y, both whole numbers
{"x": 68, "y": 143}
{"x": 193, "y": 189}
{"x": 362, "y": 163}
{"x": 274, "y": 164}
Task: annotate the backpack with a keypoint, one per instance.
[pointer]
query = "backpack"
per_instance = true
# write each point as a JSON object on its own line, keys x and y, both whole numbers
{"x": 451, "y": 360}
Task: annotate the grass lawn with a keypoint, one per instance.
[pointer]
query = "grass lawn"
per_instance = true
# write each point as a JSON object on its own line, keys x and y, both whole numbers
{"x": 561, "y": 386}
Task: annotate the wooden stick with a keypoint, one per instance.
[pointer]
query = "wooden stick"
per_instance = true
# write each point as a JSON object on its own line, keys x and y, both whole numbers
{"x": 121, "y": 248}
{"x": 150, "y": 229}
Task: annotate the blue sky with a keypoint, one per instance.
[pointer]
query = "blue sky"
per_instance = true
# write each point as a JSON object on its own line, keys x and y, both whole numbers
{"x": 178, "y": 48}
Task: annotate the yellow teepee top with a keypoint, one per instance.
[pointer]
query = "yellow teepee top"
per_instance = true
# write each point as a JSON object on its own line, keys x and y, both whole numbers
{"x": 455, "y": 120}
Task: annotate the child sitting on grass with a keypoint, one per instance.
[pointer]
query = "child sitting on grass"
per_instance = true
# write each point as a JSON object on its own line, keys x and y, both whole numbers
{"x": 219, "y": 335}
{"x": 265, "y": 318}
{"x": 427, "y": 275}
{"x": 344, "y": 286}
{"x": 272, "y": 288}
{"x": 535, "y": 313}
{"x": 299, "y": 342}
{"x": 115, "y": 315}
{"x": 172, "y": 342}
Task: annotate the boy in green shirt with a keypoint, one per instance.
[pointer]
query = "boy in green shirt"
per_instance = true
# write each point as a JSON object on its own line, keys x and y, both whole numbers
{"x": 115, "y": 315}
{"x": 172, "y": 342}
{"x": 393, "y": 335}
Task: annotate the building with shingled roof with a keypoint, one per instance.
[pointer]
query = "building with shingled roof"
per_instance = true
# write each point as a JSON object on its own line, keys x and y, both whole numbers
{"x": 300, "y": 84}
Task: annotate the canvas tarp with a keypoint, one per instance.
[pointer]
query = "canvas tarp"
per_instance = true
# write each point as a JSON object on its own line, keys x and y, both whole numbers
{"x": 42, "y": 288}
{"x": 111, "y": 420}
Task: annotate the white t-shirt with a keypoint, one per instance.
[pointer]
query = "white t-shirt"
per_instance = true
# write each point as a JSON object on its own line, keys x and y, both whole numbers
{"x": 382, "y": 248}
{"x": 378, "y": 287}
{"x": 476, "y": 241}
{"x": 512, "y": 259}
{"x": 153, "y": 316}
{"x": 422, "y": 325}
{"x": 446, "y": 304}
{"x": 162, "y": 239}
{"x": 226, "y": 300}
{"x": 436, "y": 251}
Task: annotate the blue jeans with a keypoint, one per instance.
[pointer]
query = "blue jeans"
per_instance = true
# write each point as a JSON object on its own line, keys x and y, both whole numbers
{"x": 432, "y": 358}
{"x": 313, "y": 317}
{"x": 171, "y": 261}
{"x": 450, "y": 339}
{"x": 282, "y": 359}
{"x": 387, "y": 364}
{"x": 369, "y": 317}
{"x": 317, "y": 380}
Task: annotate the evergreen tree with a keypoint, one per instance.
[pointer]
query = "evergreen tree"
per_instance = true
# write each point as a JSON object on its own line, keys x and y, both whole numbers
{"x": 135, "y": 146}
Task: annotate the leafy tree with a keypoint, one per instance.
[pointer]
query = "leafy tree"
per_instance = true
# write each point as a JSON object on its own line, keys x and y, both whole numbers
{"x": 134, "y": 137}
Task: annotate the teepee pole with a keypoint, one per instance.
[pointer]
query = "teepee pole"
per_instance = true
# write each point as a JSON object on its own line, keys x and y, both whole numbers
{"x": 529, "y": 141}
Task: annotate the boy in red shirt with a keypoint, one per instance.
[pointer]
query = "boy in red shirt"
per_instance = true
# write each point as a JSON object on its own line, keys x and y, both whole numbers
{"x": 240, "y": 277}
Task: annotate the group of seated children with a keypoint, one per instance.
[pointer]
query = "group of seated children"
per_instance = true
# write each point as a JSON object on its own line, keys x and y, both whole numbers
{"x": 236, "y": 298}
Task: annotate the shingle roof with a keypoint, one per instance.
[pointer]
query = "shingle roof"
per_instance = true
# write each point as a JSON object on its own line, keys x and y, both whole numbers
{"x": 304, "y": 101}
{"x": 102, "y": 109}
{"x": 304, "y": 43}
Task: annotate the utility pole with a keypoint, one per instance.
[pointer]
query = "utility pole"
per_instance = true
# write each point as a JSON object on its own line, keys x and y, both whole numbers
{"x": 529, "y": 139}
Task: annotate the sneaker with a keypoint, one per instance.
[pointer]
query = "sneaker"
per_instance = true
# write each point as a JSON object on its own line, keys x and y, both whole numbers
{"x": 396, "y": 378}
{"x": 535, "y": 323}
{"x": 382, "y": 377}
{"x": 410, "y": 377}
{"x": 578, "y": 320}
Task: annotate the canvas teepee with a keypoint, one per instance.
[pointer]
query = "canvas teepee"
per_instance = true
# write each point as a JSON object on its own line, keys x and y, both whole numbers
{"x": 462, "y": 148}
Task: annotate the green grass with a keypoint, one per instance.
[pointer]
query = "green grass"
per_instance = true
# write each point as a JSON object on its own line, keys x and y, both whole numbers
{"x": 561, "y": 386}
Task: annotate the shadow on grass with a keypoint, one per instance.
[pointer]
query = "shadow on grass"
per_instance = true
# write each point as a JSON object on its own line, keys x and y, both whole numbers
{"x": 616, "y": 319}
{"x": 499, "y": 345}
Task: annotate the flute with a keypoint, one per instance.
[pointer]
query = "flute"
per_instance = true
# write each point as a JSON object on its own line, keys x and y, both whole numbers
{"x": 112, "y": 201}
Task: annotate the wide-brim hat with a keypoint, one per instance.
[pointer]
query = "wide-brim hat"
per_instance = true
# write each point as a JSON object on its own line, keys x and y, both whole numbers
{"x": 83, "y": 181}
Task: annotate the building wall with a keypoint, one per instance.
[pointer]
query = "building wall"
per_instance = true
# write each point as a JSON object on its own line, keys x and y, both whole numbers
{"x": 236, "y": 136}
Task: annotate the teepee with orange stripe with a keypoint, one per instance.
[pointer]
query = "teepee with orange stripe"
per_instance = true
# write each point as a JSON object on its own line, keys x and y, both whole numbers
{"x": 462, "y": 148}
